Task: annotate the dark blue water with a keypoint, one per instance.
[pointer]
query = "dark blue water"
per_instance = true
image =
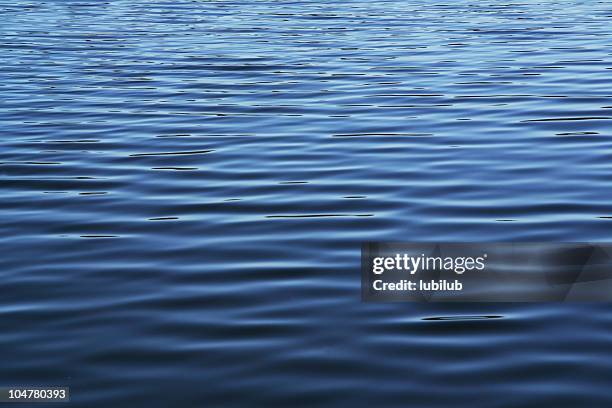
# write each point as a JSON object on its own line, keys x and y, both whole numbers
{"x": 185, "y": 185}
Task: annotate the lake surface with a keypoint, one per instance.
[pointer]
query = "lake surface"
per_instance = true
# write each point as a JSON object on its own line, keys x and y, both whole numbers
{"x": 186, "y": 184}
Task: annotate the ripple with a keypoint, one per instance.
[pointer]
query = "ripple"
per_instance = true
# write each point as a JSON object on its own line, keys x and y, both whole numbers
{"x": 461, "y": 318}
{"x": 382, "y": 134}
{"x": 175, "y": 168}
{"x": 569, "y": 119}
{"x": 171, "y": 153}
{"x": 319, "y": 215}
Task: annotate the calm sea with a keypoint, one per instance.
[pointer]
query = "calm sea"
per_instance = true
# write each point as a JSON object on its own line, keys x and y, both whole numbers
{"x": 186, "y": 184}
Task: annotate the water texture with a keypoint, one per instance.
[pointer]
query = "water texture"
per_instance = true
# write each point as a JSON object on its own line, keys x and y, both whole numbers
{"x": 186, "y": 184}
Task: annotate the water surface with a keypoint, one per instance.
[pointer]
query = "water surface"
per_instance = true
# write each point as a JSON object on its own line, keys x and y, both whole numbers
{"x": 186, "y": 184}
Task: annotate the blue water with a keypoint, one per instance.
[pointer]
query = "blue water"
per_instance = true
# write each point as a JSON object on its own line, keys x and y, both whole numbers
{"x": 186, "y": 184}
